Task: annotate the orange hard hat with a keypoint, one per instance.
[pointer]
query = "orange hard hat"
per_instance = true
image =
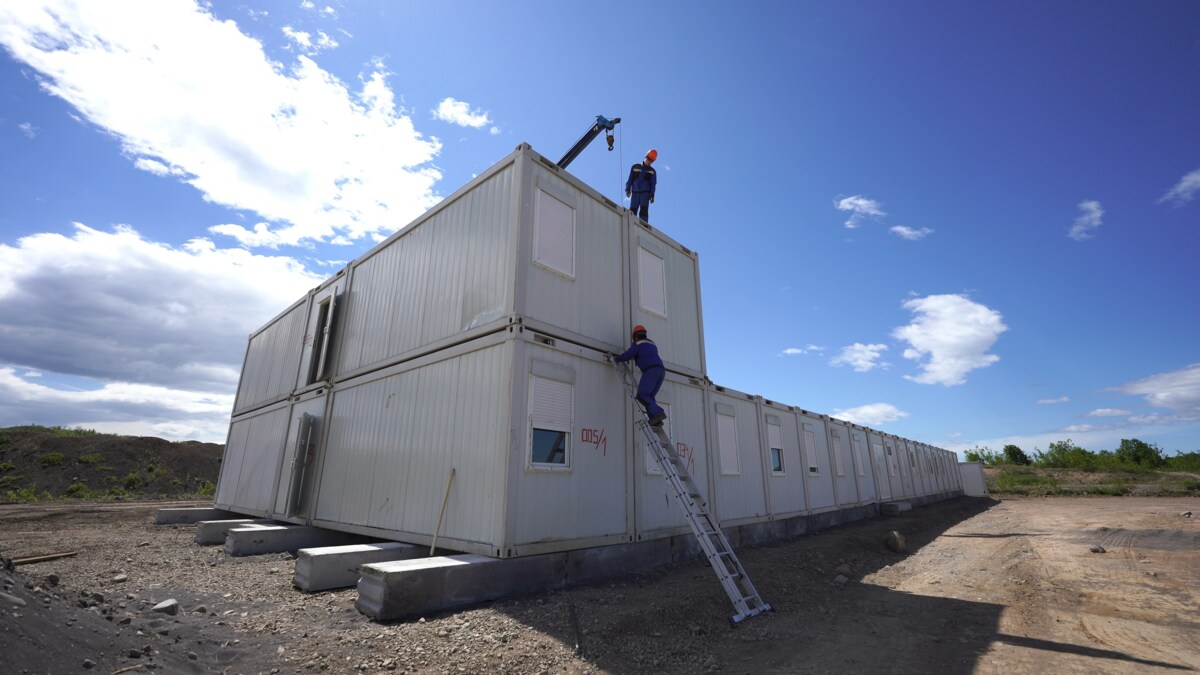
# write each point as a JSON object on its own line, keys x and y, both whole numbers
{"x": 652, "y": 155}
{"x": 639, "y": 329}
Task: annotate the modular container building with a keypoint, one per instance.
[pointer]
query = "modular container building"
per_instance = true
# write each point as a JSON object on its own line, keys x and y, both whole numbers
{"x": 465, "y": 356}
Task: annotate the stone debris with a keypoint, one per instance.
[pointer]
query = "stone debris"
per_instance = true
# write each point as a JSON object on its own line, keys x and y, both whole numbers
{"x": 1097, "y": 548}
{"x": 170, "y": 607}
{"x": 1186, "y": 514}
{"x": 121, "y": 577}
{"x": 844, "y": 568}
{"x": 894, "y": 541}
{"x": 840, "y": 580}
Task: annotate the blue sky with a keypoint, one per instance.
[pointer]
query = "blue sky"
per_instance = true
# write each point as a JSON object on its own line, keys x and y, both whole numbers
{"x": 962, "y": 223}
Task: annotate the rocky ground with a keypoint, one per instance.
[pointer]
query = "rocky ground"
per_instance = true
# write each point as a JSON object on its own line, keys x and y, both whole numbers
{"x": 984, "y": 586}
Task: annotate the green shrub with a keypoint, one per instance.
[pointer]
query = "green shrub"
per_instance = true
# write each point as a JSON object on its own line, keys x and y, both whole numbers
{"x": 1184, "y": 461}
{"x": 105, "y": 468}
{"x": 150, "y": 469}
{"x": 28, "y": 493}
{"x": 7, "y": 466}
{"x": 206, "y": 489}
{"x": 91, "y": 458}
{"x": 78, "y": 491}
{"x": 71, "y": 432}
{"x": 1015, "y": 455}
{"x": 6, "y": 481}
{"x": 52, "y": 459}
{"x": 133, "y": 482}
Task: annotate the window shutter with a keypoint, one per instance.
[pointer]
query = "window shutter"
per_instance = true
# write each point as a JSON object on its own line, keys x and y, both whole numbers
{"x": 652, "y": 285}
{"x": 727, "y": 438}
{"x": 554, "y": 238}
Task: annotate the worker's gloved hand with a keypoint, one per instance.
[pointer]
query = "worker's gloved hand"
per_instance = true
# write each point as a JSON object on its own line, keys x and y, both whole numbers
{"x": 651, "y": 199}
{"x": 629, "y": 193}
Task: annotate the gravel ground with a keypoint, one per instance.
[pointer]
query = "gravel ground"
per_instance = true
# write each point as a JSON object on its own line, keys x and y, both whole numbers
{"x": 845, "y": 603}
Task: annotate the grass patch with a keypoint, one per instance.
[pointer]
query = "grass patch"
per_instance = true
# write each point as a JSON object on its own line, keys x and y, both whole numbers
{"x": 7, "y": 466}
{"x": 91, "y": 458}
{"x": 26, "y": 494}
{"x": 7, "y": 481}
{"x": 52, "y": 459}
{"x": 206, "y": 489}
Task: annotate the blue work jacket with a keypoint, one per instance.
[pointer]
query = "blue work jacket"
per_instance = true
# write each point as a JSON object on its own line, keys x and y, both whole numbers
{"x": 642, "y": 178}
{"x": 644, "y": 353}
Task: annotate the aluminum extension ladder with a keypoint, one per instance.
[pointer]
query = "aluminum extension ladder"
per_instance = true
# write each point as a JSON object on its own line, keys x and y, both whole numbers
{"x": 724, "y": 561}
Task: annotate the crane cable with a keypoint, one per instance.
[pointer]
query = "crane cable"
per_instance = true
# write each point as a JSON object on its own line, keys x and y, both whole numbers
{"x": 620, "y": 166}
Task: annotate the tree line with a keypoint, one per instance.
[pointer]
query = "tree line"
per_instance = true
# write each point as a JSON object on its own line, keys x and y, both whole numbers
{"x": 1132, "y": 455}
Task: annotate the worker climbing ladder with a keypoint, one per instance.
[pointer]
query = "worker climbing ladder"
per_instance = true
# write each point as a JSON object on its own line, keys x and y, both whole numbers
{"x": 724, "y": 561}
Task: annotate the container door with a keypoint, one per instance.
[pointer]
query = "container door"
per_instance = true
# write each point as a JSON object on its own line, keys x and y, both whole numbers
{"x": 881, "y": 471}
{"x": 296, "y": 471}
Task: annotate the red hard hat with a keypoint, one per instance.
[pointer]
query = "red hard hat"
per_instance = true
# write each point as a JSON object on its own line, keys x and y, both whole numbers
{"x": 652, "y": 155}
{"x": 639, "y": 329}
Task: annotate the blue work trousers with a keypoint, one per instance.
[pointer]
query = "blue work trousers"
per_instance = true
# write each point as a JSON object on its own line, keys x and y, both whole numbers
{"x": 648, "y": 387}
{"x": 639, "y": 203}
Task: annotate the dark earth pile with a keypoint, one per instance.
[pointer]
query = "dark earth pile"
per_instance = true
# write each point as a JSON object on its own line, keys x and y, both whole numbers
{"x": 38, "y": 463}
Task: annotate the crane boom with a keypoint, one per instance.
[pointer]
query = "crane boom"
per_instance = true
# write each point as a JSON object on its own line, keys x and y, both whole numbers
{"x": 602, "y": 124}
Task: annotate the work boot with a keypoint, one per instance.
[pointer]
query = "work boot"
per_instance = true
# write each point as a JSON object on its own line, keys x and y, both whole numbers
{"x": 657, "y": 420}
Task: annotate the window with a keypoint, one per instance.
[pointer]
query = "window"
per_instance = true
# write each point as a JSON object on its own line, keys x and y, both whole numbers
{"x": 652, "y": 283}
{"x": 554, "y": 234}
{"x": 727, "y": 440}
{"x": 839, "y": 464}
{"x": 551, "y": 409}
{"x": 775, "y": 441}
{"x": 856, "y": 443}
{"x": 810, "y": 442}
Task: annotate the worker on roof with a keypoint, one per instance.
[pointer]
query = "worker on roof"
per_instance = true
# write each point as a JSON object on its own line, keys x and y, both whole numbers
{"x": 645, "y": 354}
{"x": 641, "y": 184}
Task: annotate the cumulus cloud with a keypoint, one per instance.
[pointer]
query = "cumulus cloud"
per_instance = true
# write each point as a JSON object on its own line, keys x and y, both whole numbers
{"x": 1184, "y": 190}
{"x": 460, "y": 113}
{"x": 1052, "y": 401}
{"x": 159, "y": 330}
{"x": 909, "y": 233}
{"x": 1178, "y": 390}
{"x": 290, "y": 143}
{"x": 28, "y": 129}
{"x": 862, "y": 358}
{"x": 1108, "y": 412}
{"x": 1087, "y": 222}
{"x": 307, "y": 42}
{"x": 950, "y": 335}
{"x": 859, "y": 207}
{"x": 872, "y": 414}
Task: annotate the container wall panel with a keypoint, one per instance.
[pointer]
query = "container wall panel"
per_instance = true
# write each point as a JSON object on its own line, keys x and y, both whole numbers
{"x": 272, "y": 360}
{"x": 786, "y": 488}
{"x": 892, "y": 466}
{"x": 394, "y": 437}
{"x": 665, "y": 297}
{"x": 581, "y": 289}
{"x": 738, "y": 473}
{"x": 300, "y": 457}
{"x": 447, "y": 273}
{"x": 251, "y": 458}
{"x": 845, "y": 487}
{"x": 584, "y": 496}
{"x": 864, "y": 465}
{"x": 818, "y": 469}
{"x": 655, "y": 504}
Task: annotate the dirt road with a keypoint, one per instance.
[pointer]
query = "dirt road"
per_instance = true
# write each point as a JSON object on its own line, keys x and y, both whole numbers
{"x": 985, "y": 587}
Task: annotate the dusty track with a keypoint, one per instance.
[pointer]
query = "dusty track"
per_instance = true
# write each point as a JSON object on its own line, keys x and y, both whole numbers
{"x": 987, "y": 587}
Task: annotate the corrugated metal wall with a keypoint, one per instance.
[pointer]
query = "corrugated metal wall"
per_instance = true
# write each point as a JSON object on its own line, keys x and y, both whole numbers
{"x": 738, "y": 454}
{"x": 449, "y": 272}
{"x": 786, "y": 488}
{"x": 845, "y": 487}
{"x": 393, "y": 437}
{"x": 818, "y": 470}
{"x": 655, "y": 500}
{"x": 252, "y": 454}
{"x": 864, "y": 466}
{"x": 272, "y": 360}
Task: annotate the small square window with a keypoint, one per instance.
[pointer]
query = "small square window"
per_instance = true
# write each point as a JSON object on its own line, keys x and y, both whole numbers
{"x": 549, "y": 446}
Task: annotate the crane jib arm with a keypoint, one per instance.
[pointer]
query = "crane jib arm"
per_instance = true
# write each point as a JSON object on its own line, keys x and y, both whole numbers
{"x": 602, "y": 124}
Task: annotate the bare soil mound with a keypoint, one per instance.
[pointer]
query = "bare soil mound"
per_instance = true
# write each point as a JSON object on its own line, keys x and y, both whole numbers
{"x": 37, "y": 463}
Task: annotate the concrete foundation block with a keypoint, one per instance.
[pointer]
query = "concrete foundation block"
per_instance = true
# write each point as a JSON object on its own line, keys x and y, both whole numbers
{"x": 893, "y": 508}
{"x": 214, "y": 531}
{"x": 320, "y": 569}
{"x": 187, "y": 516}
{"x": 412, "y": 588}
{"x": 255, "y": 539}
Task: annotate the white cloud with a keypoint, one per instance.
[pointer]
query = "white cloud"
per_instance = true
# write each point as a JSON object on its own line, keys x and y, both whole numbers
{"x": 909, "y": 233}
{"x": 806, "y": 349}
{"x": 301, "y": 38}
{"x": 954, "y": 332}
{"x": 1108, "y": 412}
{"x": 460, "y": 113}
{"x": 1087, "y": 222}
{"x": 290, "y": 143}
{"x": 154, "y": 333}
{"x": 28, "y": 129}
{"x": 305, "y": 40}
{"x": 495, "y": 131}
{"x": 1052, "y": 401}
{"x": 860, "y": 207}
{"x": 862, "y": 357}
{"x": 872, "y": 414}
{"x": 1178, "y": 390}
{"x": 1184, "y": 190}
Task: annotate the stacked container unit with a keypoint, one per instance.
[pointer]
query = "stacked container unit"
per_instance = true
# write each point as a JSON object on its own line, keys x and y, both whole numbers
{"x": 472, "y": 342}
